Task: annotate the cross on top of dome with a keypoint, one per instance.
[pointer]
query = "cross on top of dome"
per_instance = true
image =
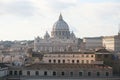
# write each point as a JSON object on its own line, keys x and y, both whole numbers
{"x": 60, "y": 17}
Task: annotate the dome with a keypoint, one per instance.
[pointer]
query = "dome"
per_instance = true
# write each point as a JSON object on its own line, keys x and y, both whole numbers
{"x": 60, "y": 25}
{"x": 60, "y": 29}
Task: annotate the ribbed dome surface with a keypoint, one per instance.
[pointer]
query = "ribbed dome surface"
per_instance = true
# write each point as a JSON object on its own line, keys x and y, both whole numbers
{"x": 60, "y": 24}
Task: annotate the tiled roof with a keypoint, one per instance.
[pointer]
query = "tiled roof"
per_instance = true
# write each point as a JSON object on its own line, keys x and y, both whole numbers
{"x": 103, "y": 51}
{"x": 66, "y": 66}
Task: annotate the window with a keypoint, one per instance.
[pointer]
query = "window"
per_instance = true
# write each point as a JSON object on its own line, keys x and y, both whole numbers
{"x": 63, "y": 61}
{"x": 73, "y": 61}
{"x": 15, "y": 73}
{"x": 54, "y": 73}
{"x": 68, "y": 61}
{"x": 91, "y": 55}
{"x": 54, "y": 61}
{"x": 11, "y": 72}
{"x": 62, "y": 73}
{"x": 87, "y": 61}
{"x": 45, "y": 73}
{"x": 36, "y": 73}
{"x": 28, "y": 73}
{"x": 71, "y": 73}
{"x": 20, "y": 72}
{"x": 98, "y": 73}
{"x": 77, "y": 61}
{"x": 89, "y": 73}
{"x": 80, "y": 73}
{"x": 82, "y": 61}
{"x": 87, "y": 55}
{"x": 49, "y": 61}
{"x": 107, "y": 74}
{"x": 58, "y": 61}
{"x": 91, "y": 61}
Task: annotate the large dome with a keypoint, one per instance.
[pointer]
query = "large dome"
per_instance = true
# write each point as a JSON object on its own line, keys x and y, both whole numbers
{"x": 60, "y": 25}
{"x": 60, "y": 29}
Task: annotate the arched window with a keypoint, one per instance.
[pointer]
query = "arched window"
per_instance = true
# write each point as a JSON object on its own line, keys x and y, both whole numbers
{"x": 10, "y": 72}
{"x": 15, "y": 73}
{"x": 58, "y": 61}
{"x": 77, "y": 61}
{"x": 49, "y": 61}
{"x": 80, "y": 73}
{"x": 91, "y": 55}
{"x": 45, "y": 73}
{"x": 91, "y": 61}
{"x": 73, "y": 61}
{"x": 20, "y": 72}
{"x": 107, "y": 73}
{"x": 63, "y": 61}
{"x": 71, "y": 73}
{"x": 54, "y": 73}
{"x": 87, "y": 61}
{"x": 37, "y": 73}
{"x": 98, "y": 73}
{"x": 28, "y": 73}
{"x": 62, "y": 73}
{"x": 54, "y": 61}
{"x": 68, "y": 61}
{"x": 89, "y": 73}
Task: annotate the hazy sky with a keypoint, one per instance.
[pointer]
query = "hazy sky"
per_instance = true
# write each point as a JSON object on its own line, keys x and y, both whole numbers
{"x": 26, "y": 19}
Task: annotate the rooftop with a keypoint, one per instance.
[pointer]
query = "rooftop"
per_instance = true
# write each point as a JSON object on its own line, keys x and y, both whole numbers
{"x": 50, "y": 66}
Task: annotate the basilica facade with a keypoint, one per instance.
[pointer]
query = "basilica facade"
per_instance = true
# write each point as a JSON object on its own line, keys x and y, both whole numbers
{"x": 60, "y": 40}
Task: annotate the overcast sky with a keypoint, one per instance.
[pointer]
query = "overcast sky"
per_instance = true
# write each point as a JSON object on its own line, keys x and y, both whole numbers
{"x": 26, "y": 19}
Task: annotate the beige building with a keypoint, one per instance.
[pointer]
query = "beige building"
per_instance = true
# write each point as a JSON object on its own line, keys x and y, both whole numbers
{"x": 112, "y": 42}
{"x": 70, "y": 57}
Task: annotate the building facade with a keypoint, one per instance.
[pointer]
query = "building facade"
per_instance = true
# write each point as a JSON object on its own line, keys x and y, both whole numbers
{"x": 62, "y": 70}
{"x": 3, "y": 70}
{"x": 112, "y": 42}
{"x": 61, "y": 39}
{"x": 93, "y": 42}
{"x": 71, "y": 58}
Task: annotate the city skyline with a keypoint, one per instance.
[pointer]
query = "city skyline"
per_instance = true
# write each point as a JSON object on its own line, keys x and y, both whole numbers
{"x": 26, "y": 19}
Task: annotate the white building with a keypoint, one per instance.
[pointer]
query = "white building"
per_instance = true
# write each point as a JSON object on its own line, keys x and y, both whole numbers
{"x": 112, "y": 42}
{"x": 61, "y": 39}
